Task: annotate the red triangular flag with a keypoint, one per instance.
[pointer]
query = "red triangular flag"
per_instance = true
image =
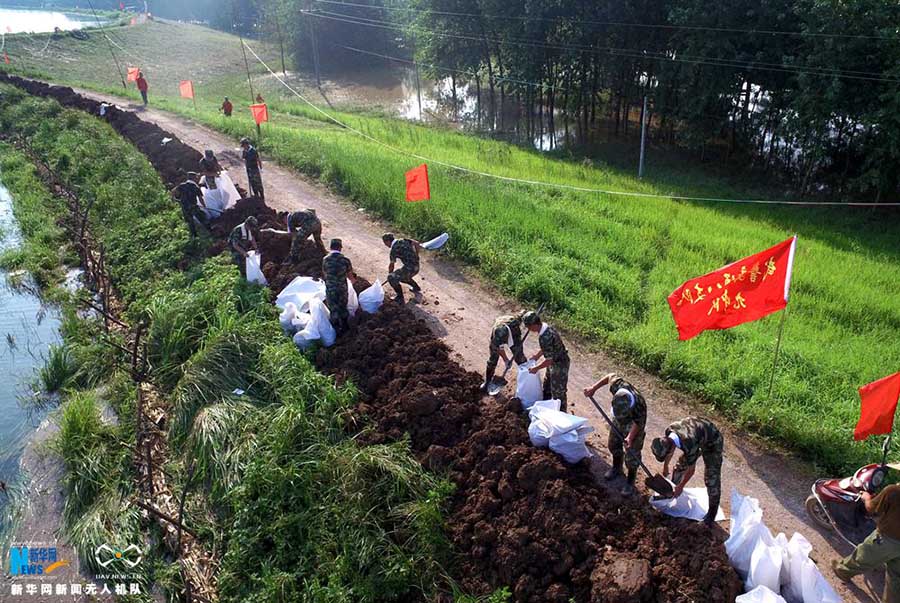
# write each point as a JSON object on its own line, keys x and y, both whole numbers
{"x": 121, "y": 6}
{"x": 737, "y": 293}
{"x": 132, "y": 74}
{"x": 878, "y": 403}
{"x": 417, "y": 185}
{"x": 260, "y": 113}
{"x": 133, "y": 21}
{"x": 186, "y": 88}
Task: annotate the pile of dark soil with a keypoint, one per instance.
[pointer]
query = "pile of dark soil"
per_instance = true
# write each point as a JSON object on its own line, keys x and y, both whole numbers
{"x": 520, "y": 516}
{"x": 171, "y": 160}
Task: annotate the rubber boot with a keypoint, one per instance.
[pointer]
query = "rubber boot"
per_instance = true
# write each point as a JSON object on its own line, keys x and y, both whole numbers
{"x": 488, "y": 376}
{"x": 616, "y": 469}
{"x": 629, "y": 489}
{"x": 710, "y": 518}
{"x": 399, "y": 291}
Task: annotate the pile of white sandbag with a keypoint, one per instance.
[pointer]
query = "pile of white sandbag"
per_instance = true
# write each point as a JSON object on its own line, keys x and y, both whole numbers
{"x": 223, "y": 197}
{"x": 774, "y": 569}
{"x": 253, "y": 266}
{"x": 563, "y": 433}
{"x": 306, "y": 318}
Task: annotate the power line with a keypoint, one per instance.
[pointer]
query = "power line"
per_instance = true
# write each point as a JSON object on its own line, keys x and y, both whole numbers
{"x": 541, "y": 182}
{"x": 565, "y": 21}
{"x": 622, "y": 52}
{"x": 109, "y": 43}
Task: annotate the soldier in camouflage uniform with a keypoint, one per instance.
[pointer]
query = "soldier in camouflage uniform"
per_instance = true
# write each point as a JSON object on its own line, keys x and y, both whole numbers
{"x": 629, "y": 415}
{"x": 190, "y": 197}
{"x": 241, "y": 240}
{"x": 556, "y": 359}
{"x": 254, "y": 166}
{"x": 506, "y": 332}
{"x": 695, "y": 437}
{"x": 337, "y": 269}
{"x": 407, "y": 250}
{"x": 304, "y": 223}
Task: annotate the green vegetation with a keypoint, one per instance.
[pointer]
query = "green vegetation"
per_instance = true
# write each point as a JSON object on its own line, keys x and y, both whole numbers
{"x": 341, "y": 522}
{"x": 604, "y": 263}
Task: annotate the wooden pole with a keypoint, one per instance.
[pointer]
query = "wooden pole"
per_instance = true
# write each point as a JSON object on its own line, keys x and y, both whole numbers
{"x": 777, "y": 350}
{"x": 643, "y": 138}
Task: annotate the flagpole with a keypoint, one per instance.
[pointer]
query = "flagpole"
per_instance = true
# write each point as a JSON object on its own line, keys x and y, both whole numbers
{"x": 777, "y": 350}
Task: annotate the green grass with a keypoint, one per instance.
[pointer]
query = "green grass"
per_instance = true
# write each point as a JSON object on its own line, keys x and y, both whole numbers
{"x": 275, "y": 467}
{"x": 604, "y": 264}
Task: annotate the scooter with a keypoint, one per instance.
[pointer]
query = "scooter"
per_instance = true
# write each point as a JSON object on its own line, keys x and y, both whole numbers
{"x": 836, "y": 504}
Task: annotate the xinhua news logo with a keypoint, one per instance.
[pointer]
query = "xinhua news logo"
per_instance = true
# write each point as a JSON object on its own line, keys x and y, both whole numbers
{"x": 34, "y": 560}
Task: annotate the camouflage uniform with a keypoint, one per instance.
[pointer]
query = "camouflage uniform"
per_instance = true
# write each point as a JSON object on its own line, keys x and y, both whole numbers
{"x": 629, "y": 408}
{"x": 699, "y": 437}
{"x": 336, "y": 268}
{"x": 254, "y": 177}
{"x": 304, "y": 223}
{"x": 405, "y": 250}
{"x": 188, "y": 194}
{"x": 237, "y": 238}
{"x": 210, "y": 168}
{"x": 556, "y": 381}
{"x": 505, "y": 327}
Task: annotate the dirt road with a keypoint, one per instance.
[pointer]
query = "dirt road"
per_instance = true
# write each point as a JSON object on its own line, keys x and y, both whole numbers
{"x": 460, "y": 308}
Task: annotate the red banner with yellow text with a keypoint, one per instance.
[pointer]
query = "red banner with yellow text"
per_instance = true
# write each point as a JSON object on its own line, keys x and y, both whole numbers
{"x": 740, "y": 292}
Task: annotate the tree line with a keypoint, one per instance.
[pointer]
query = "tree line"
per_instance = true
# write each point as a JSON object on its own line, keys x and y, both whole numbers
{"x": 809, "y": 89}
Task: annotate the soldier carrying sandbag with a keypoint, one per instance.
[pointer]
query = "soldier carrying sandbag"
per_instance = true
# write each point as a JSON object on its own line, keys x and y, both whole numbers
{"x": 242, "y": 240}
{"x": 506, "y": 333}
{"x": 629, "y": 415}
{"x": 556, "y": 359}
{"x": 695, "y": 437}
{"x": 190, "y": 198}
{"x": 337, "y": 269}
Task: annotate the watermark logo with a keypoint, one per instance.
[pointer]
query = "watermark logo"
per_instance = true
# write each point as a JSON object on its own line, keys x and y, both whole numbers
{"x": 34, "y": 560}
{"x": 106, "y": 555}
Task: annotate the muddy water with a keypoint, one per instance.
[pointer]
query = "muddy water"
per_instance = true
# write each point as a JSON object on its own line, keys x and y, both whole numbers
{"x": 27, "y": 328}
{"x": 38, "y": 21}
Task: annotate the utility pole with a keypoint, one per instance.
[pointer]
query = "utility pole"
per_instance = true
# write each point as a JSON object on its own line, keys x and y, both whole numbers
{"x": 643, "y": 138}
{"x": 418, "y": 83}
{"x": 108, "y": 43}
{"x": 314, "y": 40}
{"x": 243, "y": 50}
{"x": 280, "y": 41}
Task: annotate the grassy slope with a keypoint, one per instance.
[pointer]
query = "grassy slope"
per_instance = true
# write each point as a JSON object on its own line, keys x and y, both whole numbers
{"x": 605, "y": 263}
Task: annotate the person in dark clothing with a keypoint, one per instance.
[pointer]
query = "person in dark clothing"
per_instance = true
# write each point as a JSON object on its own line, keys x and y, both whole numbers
{"x": 254, "y": 167}
{"x": 142, "y": 86}
{"x": 210, "y": 168}
{"x": 227, "y": 107}
{"x": 190, "y": 197}
{"x": 407, "y": 251}
{"x": 337, "y": 270}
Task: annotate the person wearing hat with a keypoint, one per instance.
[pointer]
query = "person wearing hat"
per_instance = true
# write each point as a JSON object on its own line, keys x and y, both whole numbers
{"x": 629, "y": 415}
{"x": 506, "y": 332}
{"x": 337, "y": 269}
{"x": 303, "y": 224}
{"x": 190, "y": 197}
{"x": 407, "y": 250}
{"x": 210, "y": 168}
{"x": 227, "y": 107}
{"x": 556, "y": 359}
{"x": 243, "y": 240}
{"x": 695, "y": 437}
{"x": 254, "y": 168}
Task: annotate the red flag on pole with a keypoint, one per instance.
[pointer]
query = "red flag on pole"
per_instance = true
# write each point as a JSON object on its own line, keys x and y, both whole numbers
{"x": 121, "y": 6}
{"x": 260, "y": 113}
{"x": 6, "y": 58}
{"x": 878, "y": 403}
{"x": 132, "y": 74}
{"x": 417, "y": 186}
{"x": 186, "y": 88}
{"x": 740, "y": 292}
{"x": 133, "y": 21}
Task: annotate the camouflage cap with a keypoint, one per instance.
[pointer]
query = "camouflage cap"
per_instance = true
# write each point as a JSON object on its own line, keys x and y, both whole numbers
{"x": 531, "y": 318}
{"x": 661, "y": 447}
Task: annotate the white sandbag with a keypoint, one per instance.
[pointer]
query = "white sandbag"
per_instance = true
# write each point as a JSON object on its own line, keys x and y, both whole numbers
{"x": 352, "y": 299}
{"x": 692, "y": 504}
{"x": 746, "y": 527}
{"x": 798, "y": 550}
{"x": 528, "y": 387}
{"x": 559, "y": 422}
{"x": 321, "y": 322}
{"x": 781, "y": 542}
{"x": 816, "y": 588}
{"x": 543, "y": 405}
{"x": 300, "y": 292}
{"x": 539, "y": 433}
{"x": 372, "y": 298}
{"x": 301, "y": 320}
{"x": 760, "y": 594}
{"x": 765, "y": 564}
{"x": 286, "y": 319}
{"x": 304, "y": 338}
{"x": 571, "y": 445}
{"x": 221, "y": 198}
{"x": 254, "y": 270}
{"x": 437, "y": 242}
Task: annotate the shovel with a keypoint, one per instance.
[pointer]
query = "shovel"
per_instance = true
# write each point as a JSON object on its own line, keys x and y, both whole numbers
{"x": 498, "y": 383}
{"x": 657, "y": 482}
